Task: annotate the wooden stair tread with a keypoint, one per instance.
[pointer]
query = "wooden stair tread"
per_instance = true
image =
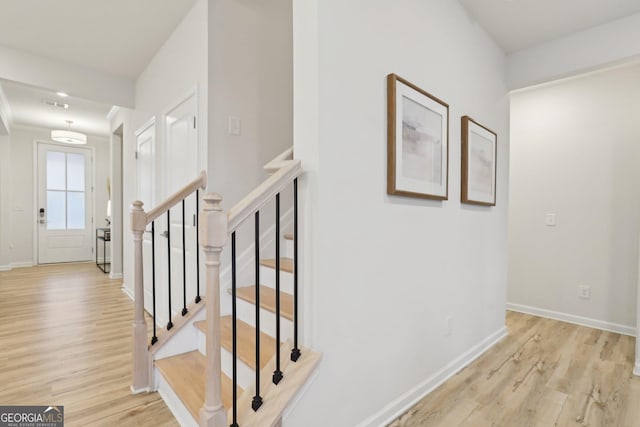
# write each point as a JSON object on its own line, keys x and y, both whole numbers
{"x": 246, "y": 341}
{"x": 185, "y": 373}
{"x": 288, "y": 236}
{"x": 286, "y": 264}
{"x": 268, "y": 299}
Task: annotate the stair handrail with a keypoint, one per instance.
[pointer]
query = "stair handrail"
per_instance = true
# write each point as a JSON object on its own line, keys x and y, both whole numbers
{"x": 279, "y": 161}
{"x": 286, "y": 172}
{"x": 199, "y": 183}
{"x": 139, "y": 221}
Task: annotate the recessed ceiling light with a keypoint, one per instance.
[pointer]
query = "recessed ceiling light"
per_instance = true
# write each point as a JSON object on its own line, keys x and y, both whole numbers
{"x": 62, "y": 94}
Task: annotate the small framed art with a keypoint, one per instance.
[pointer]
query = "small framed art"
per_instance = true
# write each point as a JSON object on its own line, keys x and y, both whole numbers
{"x": 417, "y": 141}
{"x": 479, "y": 152}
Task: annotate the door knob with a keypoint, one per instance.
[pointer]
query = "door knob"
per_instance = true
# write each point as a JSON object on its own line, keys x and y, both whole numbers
{"x": 165, "y": 234}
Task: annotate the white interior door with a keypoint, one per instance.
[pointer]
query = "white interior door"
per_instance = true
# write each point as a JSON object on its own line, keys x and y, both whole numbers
{"x": 65, "y": 200}
{"x": 181, "y": 167}
{"x": 145, "y": 162}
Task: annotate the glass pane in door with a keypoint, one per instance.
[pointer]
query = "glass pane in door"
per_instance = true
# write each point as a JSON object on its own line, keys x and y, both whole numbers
{"x": 75, "y": 172}
{"x": 56, "y": 165}
{"x": 75, "y": 210}
{"x": 56, "y": 210}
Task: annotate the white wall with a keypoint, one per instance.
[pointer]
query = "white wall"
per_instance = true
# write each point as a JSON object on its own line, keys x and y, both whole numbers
{"x": 383, "y": 273}
{"x": 250, "y": 77}
{"x": 588, "y": 50}
{"x": 21, "y": 209}
{"x": 5, "y": 200}
{"x": 575, "y": 151}
{"x": 124, "y": 117}
{"x": 178, "y": 68}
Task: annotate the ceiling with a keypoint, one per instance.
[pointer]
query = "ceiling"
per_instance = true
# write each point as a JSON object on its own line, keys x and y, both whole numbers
{"x": 118, "y": 37}
{"x": 27, "y": 108}
{"x": 519, "y": 24}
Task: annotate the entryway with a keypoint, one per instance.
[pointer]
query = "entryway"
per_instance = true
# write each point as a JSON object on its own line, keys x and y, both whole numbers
{"x": 64, "y": 203}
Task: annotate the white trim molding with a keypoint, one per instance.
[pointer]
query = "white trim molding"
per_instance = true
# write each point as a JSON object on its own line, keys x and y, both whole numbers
{"x": 13, "y": 265}
{"x": 112, "y": 112}
{"x": 403, "y": 403}
{"x": 572, "y": 318}
{"x": 127, "y": 291}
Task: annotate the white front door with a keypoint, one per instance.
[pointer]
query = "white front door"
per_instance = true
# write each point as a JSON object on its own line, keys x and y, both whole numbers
{"x": 65, "y": 200}
{"x": 181, "y": 167}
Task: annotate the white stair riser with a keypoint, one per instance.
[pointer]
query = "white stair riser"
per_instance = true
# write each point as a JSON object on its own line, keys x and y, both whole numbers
{"x": 246, "y": 374}
{"x": 287, "y": 249}
{"x": 173, "y": 402}
{"x": 268, "y": 278}
{"x": 247, "y": 313}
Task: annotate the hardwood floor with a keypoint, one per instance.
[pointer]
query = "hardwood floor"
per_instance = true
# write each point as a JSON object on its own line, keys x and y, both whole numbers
{"x": 545, "y": 373}
{"x": 65, "y": 339}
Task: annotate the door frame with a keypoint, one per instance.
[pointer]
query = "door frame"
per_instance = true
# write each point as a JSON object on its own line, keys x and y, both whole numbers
{"x": 36, "y": 194}
{"x": 154, "y": 183}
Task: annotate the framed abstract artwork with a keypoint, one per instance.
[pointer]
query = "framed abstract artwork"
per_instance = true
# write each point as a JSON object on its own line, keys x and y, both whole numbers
{"x": 417, "y": 141}
{"x": 479, "y": 152}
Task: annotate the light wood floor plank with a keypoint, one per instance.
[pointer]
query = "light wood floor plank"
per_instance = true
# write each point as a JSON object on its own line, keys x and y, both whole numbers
{"x": 65, "y": 339}
{"x": 545, "y": 373}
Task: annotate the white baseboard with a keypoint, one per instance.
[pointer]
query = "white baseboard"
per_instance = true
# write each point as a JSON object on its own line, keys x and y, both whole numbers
{"x": 399, "y": 406}
{"x": 572, "y": 318}
{"x": 115, "y": 275}
{"x": 22, "y": 264}
{"x": 127, "y": 292}
{"x": 13, "y": 265}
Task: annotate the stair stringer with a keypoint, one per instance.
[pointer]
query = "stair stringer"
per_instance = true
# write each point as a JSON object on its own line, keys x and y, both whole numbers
{"x": 278, "y": 398}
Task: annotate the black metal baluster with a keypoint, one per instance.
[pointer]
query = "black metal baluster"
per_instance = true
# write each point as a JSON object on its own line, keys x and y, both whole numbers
{"x": 257, "y": 400}
{"x": 198, "y": 299}
{"x": 184, "y": 265}
{"x": 295, "y": 353}
{"x": 170, "y": 324}
{"x": 234, "y": 316}
{"x": 277, "y": 374}
{"x": 154, "y": 339}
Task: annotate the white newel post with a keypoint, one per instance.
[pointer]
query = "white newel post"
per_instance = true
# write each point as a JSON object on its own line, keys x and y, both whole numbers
{"x": 140, "y": 355}
{"x": 213, "y": 236}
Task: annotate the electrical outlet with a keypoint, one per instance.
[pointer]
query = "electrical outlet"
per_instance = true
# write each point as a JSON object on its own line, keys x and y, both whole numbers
{"x": 584, "y": 292}
{"x": 449, "y": 331}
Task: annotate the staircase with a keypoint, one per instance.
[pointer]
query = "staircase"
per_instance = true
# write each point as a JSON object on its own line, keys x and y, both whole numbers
{"x": 203, "y": 356}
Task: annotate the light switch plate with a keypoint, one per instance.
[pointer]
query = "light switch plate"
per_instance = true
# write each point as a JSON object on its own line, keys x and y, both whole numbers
{"x": 550, "y": 220}
{"x": 234, "y": 126}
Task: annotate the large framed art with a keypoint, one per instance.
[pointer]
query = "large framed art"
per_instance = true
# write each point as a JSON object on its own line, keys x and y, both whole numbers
{"x": 479, "y": 152}
{"x": 417, "y": 141}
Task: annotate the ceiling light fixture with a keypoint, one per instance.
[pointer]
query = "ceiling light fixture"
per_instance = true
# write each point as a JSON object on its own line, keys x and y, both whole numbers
{"x": 62, "y": 94}
{"x": 68, "y": 136}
